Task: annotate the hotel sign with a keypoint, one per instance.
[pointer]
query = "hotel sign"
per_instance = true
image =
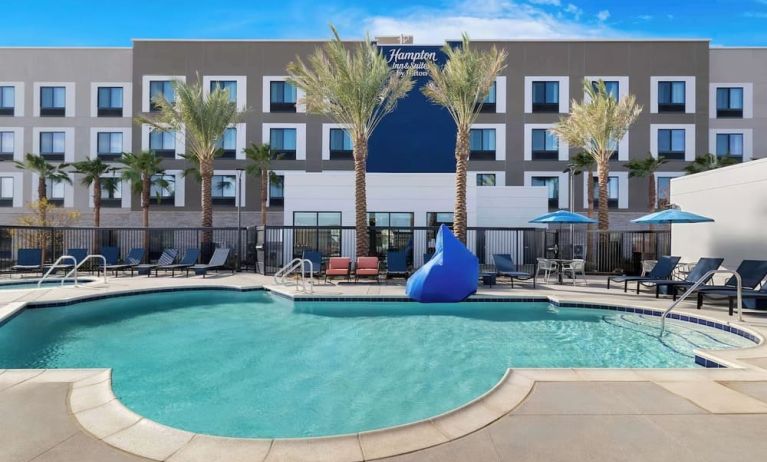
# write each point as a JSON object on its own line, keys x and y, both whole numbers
{"x": 403, "y": 60}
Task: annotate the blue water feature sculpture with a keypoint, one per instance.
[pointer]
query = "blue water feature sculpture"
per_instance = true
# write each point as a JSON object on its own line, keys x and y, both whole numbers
{"x": 450, "y": 276}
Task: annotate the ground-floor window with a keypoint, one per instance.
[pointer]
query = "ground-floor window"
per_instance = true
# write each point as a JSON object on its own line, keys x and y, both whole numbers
{"x": 318, "y": 231}
{"x": 663, "y": 191}
{"x": 390, "y": 231}
{"x": 434, "y": 220}
{"x": 551, "y": 183}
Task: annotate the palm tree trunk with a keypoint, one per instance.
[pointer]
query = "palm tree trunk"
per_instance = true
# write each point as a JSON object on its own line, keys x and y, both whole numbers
{"x": 603, "y": 172}
{"x": 97, "y": 202}
{"x": 461, "y": 166}
{"x": 42, "y": 199}
{"x": 592, "y": 243}
{"x": 652, "y": 192}
{"x": 145, "y": 189}
{"x": 206, "y": 175}
{"x": 590, "y": 193}
{"x": 360, "y": 196}
{"x": 264, "y": 183}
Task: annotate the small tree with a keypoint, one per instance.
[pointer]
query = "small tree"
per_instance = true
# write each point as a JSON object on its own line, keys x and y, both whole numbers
{"x": 140, "y": 170}
{"x": 597, "y": 125}
{"x": 353, "y": 85}
{"x": 94, "y": 171}
{"x": 45, "y": 171}
{"x": 646, "y": 168}
{"x": 709, "y": 162}
{"x": 460, "y": 86}
{"x": 260, "y": 157}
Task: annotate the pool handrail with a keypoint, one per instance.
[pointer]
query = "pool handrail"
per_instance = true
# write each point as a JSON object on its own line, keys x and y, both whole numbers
{"x": 55, "y": 266}
{"x": 703, "y": 279}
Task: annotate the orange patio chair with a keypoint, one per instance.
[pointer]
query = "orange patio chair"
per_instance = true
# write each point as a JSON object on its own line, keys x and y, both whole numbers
{"x": 367, "y": 267}
{"x": 338, "y": 267}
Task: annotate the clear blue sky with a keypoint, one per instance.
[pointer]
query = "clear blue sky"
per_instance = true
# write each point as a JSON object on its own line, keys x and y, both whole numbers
{"x": 116, "y": 22}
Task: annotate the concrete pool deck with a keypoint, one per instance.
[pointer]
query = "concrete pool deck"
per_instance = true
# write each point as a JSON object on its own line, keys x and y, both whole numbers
{"x": 533, "y": 414}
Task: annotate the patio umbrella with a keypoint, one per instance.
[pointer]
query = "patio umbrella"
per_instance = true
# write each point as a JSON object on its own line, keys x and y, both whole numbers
{"x": 562, "y": 217}
{"x": 669, "y": 216}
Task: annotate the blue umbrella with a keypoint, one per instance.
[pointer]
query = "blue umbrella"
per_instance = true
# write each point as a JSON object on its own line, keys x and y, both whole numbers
{"x": 672, "y": 215}
{"x": 563, "y": 217}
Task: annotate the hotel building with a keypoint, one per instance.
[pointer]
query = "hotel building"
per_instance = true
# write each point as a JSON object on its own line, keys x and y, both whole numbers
{"x": 69, "y": 104}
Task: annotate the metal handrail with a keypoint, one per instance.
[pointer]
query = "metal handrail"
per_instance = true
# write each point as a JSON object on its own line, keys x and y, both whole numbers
{"x": 90, "y": 257}
{"x": 55, "y": 265}
{"x": 293, "y": 265}
{"x": 703, "y": 279}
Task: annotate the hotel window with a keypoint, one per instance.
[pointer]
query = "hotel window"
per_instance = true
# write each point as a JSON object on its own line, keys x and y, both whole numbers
{"x": 729, "y": 103}
{"x": 6, "y": 191}
{"x": 163, "y": 143}
{"x": 340, "y": 144}
{"x": 326, "y": 240}
{"x": 282, "y": 97}
{"x": 110, "y": 102}
{"x": 226, "y": 85}
{"x": 545, "y": 145}
{"x": 612, "y": 192}
{"x": 111, "y": 193}
{"x": 551, "y": 183}
{"x": 228, "y": 144}
{"x": 664, "y": 191}
{"x": 434, "y": 220}
{"x": 7, "y": 145}
{"x": 671, "y": 143}
{"x": 52, "y": 145}
{"x": 160, "y": 88}
{"x": 163, "y": 187}
{"x": 223, "y": 189}
{"x": 612, "y": 87}
{"x": 53, "y": 101}
{"x": 109, "y": 144}
{"x": 276, "y": 190}
{"x": 7, "y": 101}
{"x": 482, "y": 144}
{"x": 54, "y": 189}
{"x": 671, "y": 96}
{"x": 545, "y": 96}
{"x": 391, "y": 219}
{"x": 488, "y": 104}
{"x": 485, "y": 179}
{"x": 729, "y": 145}
{"x": 615, "y": 148}
{"x": 283, "y": 142}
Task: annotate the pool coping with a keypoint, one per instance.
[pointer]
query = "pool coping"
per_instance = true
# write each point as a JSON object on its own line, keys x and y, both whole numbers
{"x": 92, "y": 401}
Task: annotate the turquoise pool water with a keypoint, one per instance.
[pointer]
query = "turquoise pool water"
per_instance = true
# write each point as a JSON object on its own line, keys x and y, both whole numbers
{"x": 32, "y": 284}
{"x": 251, "y": 364}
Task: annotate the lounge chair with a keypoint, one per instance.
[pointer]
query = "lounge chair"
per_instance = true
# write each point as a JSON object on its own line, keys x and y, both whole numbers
{"x": 217, "y": 261}
{"x": 78, "y": 254}
{"x": 167, "y": 258}
{"x": 133, "y": 259}
{"x": 703, "y": 266}
{"x": 338, "y": 267}
{"x": 367, "y": 267}
{"x": 28, "y": 260}
{"x": 316, "y": 259}
{"x": 396, "y": 263}
{"x": 751, "y": 272}
{"x": 504, "y": 266}
{"x": 732, "y": 295}
{"x": 662, "y": 270}
{"x": 189, "y": 259}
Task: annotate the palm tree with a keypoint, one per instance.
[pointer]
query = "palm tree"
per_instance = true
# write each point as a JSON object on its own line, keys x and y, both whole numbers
{"x": 94, "y": 171}
{"x": 45, "y": 171}
{"x": 141, "y": 170}
{"x": 204, "y": 119}
{"x": 460, "y": 86}
{"x": 353, "y": 85}
{"x": 709, "y": 162}
{"x": 583, "y": 163}
{"x": 646, "y": 168}
{"x": 597, "y": 125}
{"x": 260, "y": 156}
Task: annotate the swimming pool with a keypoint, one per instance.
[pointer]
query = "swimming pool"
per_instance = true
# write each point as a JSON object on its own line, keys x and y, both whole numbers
{"x": 251, "y": 364}
{"x": 32, "y": 283}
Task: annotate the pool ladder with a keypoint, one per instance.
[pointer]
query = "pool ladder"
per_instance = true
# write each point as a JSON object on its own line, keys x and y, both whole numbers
{"x": 302, "y": 285}
{"x": 76, "y": 266}
{"x": 697, "y": 284}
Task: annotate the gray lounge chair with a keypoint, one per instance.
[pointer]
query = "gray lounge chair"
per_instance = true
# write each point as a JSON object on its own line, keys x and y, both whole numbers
{"x": 751, "y": 272}
{"x": 189, "y": 259}
{"x": 504, "y": 266}
{"x": 66, "y": 265}
{"x": 396, "y": 263}
{"x": 133, "y": 259}
{"x": 703, "y": 266}
{"x": 662, "y": 270}
{"x": 217, "y": 261}
{"x": 732, "y": 295}
{"x": 167, "y": 258}
{"x": 28, "y": 260}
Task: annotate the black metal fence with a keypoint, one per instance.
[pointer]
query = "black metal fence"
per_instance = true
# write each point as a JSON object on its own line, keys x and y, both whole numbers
{"x": 56, "y": 241}
{"x": 604, "y": 252}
